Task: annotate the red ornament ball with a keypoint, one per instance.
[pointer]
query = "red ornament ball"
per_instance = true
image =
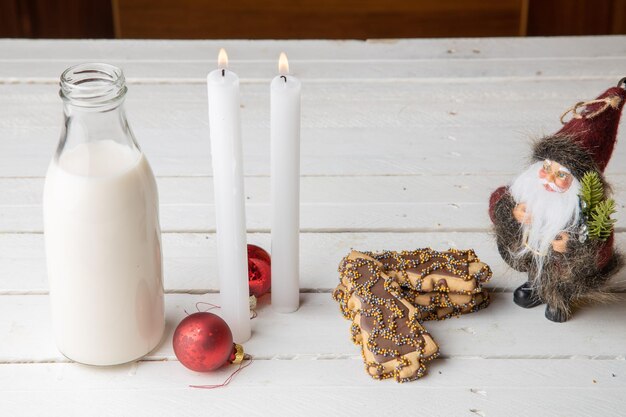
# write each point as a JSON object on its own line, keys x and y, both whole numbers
{"x": 203, "y": 342}
{"x": 259, "y": 271}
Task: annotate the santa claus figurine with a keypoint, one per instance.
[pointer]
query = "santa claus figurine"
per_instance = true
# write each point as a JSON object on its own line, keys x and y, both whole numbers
{"x": 554, "y": 220}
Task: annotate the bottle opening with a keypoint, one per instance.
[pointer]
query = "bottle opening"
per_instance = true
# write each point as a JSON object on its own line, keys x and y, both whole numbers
{"x": 92, "y": 84}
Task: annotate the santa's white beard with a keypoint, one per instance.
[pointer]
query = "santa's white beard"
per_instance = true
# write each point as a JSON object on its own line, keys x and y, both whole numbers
{"x": 550, "y": 212}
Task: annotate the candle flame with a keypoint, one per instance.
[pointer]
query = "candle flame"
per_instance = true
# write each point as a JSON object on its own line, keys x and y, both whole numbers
{"x": 283, "y": 64}
{"x": 222, "y": 59}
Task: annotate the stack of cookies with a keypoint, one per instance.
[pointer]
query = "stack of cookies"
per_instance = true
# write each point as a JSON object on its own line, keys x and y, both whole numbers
{"x": 388, "y": 295}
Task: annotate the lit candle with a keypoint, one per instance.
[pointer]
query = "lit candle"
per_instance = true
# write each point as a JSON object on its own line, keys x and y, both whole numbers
{"x": 226, "y": 154}
{"x": 285, "y": 172}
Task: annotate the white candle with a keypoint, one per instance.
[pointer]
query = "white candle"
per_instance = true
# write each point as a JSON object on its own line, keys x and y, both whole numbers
{"x": 226, "y": 155}
{"x": 285, "y": 171}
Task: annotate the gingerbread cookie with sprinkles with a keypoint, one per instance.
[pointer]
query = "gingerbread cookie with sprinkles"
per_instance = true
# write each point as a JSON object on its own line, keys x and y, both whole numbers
{"x": 386, "y": 326}
{"x": 439, "y": 284}
{"x": 387, "y": 295}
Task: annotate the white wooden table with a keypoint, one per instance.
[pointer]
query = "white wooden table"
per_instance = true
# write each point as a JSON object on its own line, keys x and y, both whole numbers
{"x": 402, "y": 143}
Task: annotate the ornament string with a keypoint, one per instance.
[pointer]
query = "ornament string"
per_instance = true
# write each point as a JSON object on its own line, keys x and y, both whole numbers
{"x": 612, "y": 101}
{"x": 228, "y": 380}
{"x": 211, "y": 307}
{"x": 253, "y": 313}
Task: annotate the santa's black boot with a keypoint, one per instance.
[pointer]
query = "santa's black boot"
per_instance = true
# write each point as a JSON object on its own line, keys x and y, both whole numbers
{"x": 556, "y": 315}
{"x": 524, "y": 296}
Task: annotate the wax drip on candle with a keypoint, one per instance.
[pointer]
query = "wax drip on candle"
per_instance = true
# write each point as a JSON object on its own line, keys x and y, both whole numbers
{"x": 222, "y": 61}
{"x": 283, "y": 66}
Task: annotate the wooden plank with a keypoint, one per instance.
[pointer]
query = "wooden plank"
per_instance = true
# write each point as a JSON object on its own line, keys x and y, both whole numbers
{"x": 143, "y": 375}
{"x": 336, "y": 151}
{"x": 11, "y": 24}
{"x": 190, "y": 264}
{"x": 402, "y": 189}
{"x": 359, "y": 151}
{"x": 61, "y": 19}
{"x": 618, "y": 21}
{"x": 198, "y": 191}
{"x": 453, "y": 203}
{"x": 459, "y": 387}
{"x": 394, "y": 105}
{"x": 501, "y": 331}
{"x": 562, "y": 17}
{"x": 526, "y": 100}
{"x": 310, "y": 19}
{"x": 329, "y": 71}
{"x": 470, "y": 48}
{"x": 425, "y": 126}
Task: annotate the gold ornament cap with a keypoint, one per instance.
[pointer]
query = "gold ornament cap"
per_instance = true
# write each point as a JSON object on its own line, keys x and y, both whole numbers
{"x": 239, "y": 354}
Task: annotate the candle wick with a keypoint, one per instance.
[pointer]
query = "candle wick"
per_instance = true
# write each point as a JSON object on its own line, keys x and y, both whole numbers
{"x": 223, "y": 72}
{"x": 284, "y": 78}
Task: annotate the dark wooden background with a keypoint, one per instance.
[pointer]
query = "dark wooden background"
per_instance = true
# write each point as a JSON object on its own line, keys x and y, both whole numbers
{"x": 308, "y": 19}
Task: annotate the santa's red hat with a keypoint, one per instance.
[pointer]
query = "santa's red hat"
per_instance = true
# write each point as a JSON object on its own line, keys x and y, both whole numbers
{"x": 585, "y": 143}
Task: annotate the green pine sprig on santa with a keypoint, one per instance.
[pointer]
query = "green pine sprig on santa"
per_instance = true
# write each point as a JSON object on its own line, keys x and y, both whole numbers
{"x": 555, "y": 220}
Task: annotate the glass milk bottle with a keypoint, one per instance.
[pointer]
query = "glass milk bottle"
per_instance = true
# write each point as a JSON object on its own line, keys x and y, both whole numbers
{"x": 101, "y": 226}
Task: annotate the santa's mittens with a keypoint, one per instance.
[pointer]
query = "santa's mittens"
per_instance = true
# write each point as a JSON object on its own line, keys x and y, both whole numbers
{"x": 493, "y": 200}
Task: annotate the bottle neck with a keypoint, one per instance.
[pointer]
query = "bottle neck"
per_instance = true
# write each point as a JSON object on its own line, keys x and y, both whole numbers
{"x": 92, "y": 85}
{"x": 93, "y": 104}
{"x": 89, "y": 124}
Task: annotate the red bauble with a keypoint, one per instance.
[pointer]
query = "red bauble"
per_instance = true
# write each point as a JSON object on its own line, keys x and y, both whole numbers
{"x": 259, "y": 271}
{"x": 203, "y": 342}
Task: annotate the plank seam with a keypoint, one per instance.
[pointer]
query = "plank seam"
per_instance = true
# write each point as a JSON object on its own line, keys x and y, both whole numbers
{"x": 252, "y": 81}
{"x": 618, "y": 289}
{"x": 356, "y": 356}
{"x": 319, "y": 231}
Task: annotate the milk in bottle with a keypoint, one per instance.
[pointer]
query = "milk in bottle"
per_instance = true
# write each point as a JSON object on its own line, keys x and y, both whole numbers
{"x": 101, "y": 226}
